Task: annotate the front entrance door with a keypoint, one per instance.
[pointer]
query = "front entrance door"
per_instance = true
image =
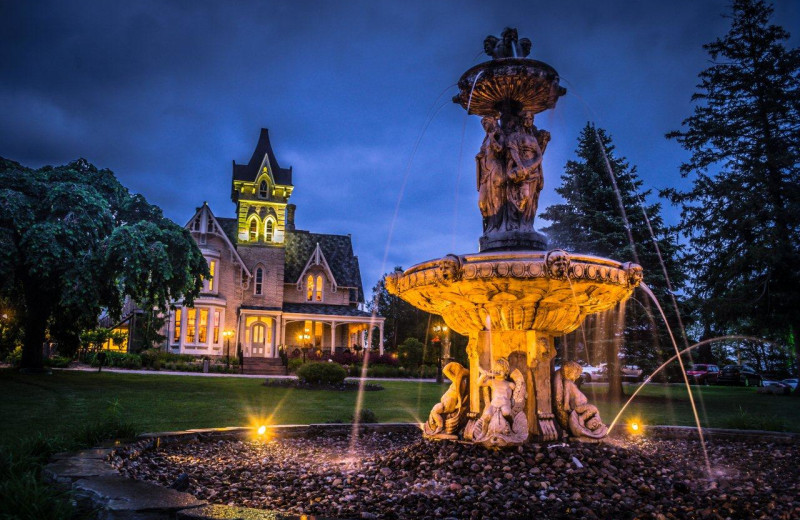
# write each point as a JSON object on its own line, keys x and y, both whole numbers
{"x": 258, "y": 343}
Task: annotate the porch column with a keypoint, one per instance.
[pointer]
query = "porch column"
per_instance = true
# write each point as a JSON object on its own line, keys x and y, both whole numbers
{"x": 380, "y": 345}
{"x": 333, "y": 337}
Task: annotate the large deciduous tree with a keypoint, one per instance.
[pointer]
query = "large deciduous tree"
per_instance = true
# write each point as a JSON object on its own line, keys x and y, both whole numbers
{"x": 74, "y": 241}
{"x": 403, "y": 320}
{"x": 591, "y": 221}
{"x": 742, "y": 214}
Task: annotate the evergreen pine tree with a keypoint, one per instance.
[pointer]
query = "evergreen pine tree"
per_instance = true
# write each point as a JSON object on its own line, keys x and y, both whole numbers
{"x": 742, "y": 215}
{"x": 590, "y": 221}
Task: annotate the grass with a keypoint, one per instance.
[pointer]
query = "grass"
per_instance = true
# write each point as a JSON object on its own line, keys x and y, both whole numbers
{"x": 60, "y": 404}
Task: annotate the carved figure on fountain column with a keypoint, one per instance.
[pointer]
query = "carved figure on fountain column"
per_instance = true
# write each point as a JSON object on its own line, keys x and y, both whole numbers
{"x": 490, "y": 169}
{"x": 507, "y": 46}
{"x": 573, "y": 410}
{"x": 503, "y": 421}
{"x": 447, "y": 416}
{"x": 524, "y": 171}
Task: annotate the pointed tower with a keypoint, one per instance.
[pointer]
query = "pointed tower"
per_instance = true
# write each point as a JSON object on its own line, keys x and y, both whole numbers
{"x": 261, "y": 191}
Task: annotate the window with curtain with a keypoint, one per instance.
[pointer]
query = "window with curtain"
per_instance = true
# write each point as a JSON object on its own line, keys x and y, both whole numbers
{"x": 319, "y": 288}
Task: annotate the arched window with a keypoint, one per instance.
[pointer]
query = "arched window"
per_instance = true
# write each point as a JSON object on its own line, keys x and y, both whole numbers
{"x": 253, "y": 232}
{"x": 259, "y": 333}
{"x": 262, "y": 190}
{"x": 259, "y": 284}
{"x": 269, "y": 229}
{"x": 310, "y": 287}
{"x": 319, "y": 288}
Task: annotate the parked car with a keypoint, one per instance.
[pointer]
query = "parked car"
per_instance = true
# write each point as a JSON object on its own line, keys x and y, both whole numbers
{"x": 629, "y": 373}
{"x": 703, "y": 374}
{"x": 739, "y": 375}
{"x": 775, "y": 387}
{"x": 593, "y": 373}
{"x": 791, "y": 382}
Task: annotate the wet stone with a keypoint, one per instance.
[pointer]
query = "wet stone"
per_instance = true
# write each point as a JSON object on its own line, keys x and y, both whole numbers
{"x": 402, "y": 477}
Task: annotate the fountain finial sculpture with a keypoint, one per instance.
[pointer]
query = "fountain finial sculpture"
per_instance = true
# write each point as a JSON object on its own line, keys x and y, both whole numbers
{"x": 514, "y": 296}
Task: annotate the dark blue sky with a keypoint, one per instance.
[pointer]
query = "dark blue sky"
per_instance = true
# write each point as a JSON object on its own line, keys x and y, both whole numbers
{"x": 167, "y": 94}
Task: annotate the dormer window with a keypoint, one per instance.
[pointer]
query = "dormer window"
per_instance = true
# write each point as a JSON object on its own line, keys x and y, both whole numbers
{"x": 263, "y": 192}
{"x": 310, "y": 288}
{"x": 269, "y": 230}
{"x": 319, "y": 288}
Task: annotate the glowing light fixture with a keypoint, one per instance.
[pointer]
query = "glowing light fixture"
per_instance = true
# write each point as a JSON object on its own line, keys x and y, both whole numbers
{"x": 261, "y": 430}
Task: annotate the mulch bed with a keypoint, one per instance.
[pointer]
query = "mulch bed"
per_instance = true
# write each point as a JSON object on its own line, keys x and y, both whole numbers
{"x": 400, "y": 476}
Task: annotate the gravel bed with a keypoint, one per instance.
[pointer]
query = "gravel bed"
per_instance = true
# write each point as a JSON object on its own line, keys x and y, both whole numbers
{"x": 398, "y": 476}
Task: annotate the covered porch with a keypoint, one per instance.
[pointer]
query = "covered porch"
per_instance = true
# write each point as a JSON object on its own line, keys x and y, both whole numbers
{"x": 327, "y": 329}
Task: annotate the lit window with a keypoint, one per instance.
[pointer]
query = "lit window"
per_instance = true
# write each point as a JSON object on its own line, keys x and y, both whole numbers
{"x": 212, "y": 266}
{"x": 259, "y": 333}
{"x": 259, "y": 280}
{"x": 202, "y": 326}
{"x": 176, "y": 334}
{"x": 262, "y": 190}
{"x": 268, "y": 230}
{"x": 319, "y": 288}
{"x": 216, "y": 327}
{"x": 318, "y": 334}
{"x": 310, "y": 288}
{"x": 253, "y": 234}
{"x": 191, "y": 315}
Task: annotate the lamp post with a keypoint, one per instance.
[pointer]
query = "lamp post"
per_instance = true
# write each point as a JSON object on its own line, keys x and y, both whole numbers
{"x": 303, "y": 339}
{"x": 227, "y": 334}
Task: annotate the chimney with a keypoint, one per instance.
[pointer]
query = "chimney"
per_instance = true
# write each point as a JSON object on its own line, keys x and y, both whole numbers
{"x": 290, "y": 217}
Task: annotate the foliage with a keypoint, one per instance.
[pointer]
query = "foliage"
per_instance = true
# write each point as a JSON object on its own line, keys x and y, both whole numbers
{"x": 58, "y": 361}
{"x": 411, "y": 353}
{"x": 321, "y": 373}
{"x": 95, "y": 339}
{"x": 116, "y": 360}
{"x": 14, "y": 357}
{"x": 294, "y": 364}
{"x": 366, "y": 416}
{"x": 742, "y": 214}
{"x": 74, "y": 241}
{"x": 25, "y": 494}
{"x": 147, "y": 333}
{"x": 590, "y": 221}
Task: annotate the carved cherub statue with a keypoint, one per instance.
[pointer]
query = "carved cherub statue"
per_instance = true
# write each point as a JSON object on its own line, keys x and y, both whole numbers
{"x": 446, "y": 416}
{"x": 503, "y": 421}
{"x": 573, "y": 410}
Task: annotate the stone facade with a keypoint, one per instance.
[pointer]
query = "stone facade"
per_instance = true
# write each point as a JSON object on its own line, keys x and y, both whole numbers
{"x": 273, "y": 286}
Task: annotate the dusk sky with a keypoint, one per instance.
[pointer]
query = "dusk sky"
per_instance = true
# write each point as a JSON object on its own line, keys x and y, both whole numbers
{"x": 167, "y": 94}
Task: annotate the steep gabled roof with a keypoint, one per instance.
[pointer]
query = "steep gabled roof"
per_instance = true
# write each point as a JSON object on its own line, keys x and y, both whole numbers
{"x": 249, "y": 172}
{"x": 338, "y": 252}
{"x": 204, "y": 213}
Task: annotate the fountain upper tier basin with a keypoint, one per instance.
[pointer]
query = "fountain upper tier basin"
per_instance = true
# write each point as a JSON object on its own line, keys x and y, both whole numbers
{"x": 509, "y": 85}
{"x": 547, "y": 291}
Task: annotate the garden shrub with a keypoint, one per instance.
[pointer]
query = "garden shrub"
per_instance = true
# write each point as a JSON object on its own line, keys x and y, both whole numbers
{"x": 367, "y": 416}
{"x": 14, "y": 357}
{"x": 322, "y": 373}
{"x": 57, "y": 362}
{"x": 294, "y": 364}
{"x": 384, "y": 371}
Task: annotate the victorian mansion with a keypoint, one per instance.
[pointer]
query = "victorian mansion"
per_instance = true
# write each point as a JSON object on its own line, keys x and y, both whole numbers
{"x": 271, "y": 285}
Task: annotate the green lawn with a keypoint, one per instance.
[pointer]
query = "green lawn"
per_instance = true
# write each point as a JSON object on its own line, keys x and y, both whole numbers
{"x": 57, "y": 404}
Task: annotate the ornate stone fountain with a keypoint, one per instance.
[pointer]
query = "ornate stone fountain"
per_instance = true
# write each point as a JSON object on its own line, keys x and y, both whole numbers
{"x": 514, "y": 296}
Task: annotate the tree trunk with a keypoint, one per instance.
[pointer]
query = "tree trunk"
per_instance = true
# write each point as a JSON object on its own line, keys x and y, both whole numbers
{"x": 615, "y": 391}
{"x": 795, "y": 330}
{"x": 35, "y": 326}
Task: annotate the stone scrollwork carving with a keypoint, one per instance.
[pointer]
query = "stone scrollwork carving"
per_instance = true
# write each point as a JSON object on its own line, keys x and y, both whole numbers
{"x": 557, "y": 262}
{"x": 503, "y": 421}
{"x": 448, "y": 415}
{"x": 573, "y": 411}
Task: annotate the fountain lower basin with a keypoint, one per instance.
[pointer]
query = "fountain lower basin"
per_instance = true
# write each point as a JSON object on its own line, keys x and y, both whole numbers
{"x": 511, "y": 304}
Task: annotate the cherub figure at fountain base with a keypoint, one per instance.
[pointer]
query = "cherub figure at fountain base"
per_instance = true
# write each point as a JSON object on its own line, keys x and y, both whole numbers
{"x": 447, "y": 416}
{"x": 573, "y": 411}
{"x": 503, "y": 421}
